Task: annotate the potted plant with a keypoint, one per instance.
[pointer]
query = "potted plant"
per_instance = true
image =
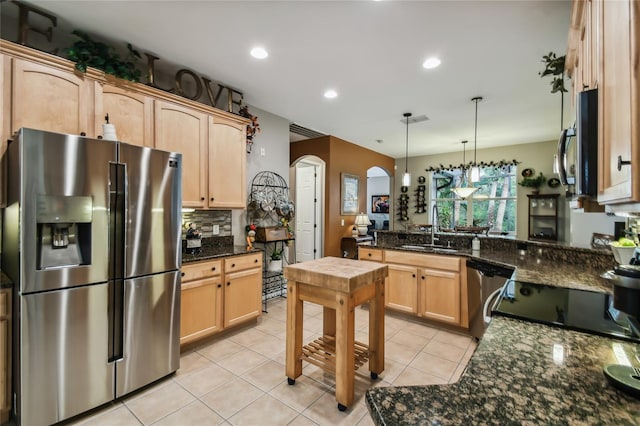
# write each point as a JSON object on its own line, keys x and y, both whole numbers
{"x": 275, "y": 262}
{"x": 533, "y": 182}
{"x": 554, "y": 66}
{"x": 87, "y": 52}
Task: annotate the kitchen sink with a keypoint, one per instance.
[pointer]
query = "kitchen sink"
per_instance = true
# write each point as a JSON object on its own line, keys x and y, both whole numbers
{"x": 428, "y": 248}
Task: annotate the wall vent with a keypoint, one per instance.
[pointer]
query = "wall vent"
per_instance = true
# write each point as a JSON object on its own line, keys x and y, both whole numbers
{"x": 415, "y": 119}
{"x": 299, "y": 130}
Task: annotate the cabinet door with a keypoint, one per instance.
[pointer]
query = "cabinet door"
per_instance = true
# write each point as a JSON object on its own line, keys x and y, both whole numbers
{"x": 51, "y": 99}
{"x": 242, "y": 296}
{"x": 184, "y": 130}
{"x": 440, "y": 295}
{"x": 619, "y": 100}
{"x": 130, "y": 112}
{"x": 227, "y": 163}
{"x": 201, "y": 309}
{"x": 401, "y": 289}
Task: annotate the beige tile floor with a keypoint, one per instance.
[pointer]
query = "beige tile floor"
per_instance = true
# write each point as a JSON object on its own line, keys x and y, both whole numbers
{"x": 239, "y": 379}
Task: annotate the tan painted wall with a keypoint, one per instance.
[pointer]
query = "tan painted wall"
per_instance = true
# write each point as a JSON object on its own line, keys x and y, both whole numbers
{"x": 340, "y": 156}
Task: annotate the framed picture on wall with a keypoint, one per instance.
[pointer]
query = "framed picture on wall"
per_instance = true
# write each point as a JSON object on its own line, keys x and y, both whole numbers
{"x": 349, "y": 194}
{"x": 380, "y": 203}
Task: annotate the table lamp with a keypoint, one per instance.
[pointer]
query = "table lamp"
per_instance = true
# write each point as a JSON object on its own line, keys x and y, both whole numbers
{"x": 362, "y": 221}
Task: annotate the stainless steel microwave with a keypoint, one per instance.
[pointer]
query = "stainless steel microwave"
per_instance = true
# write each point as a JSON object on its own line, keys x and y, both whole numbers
{"x": 577, "y": 157}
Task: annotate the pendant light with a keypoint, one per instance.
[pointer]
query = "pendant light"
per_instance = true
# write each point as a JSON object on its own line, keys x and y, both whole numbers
{"x": 464, "y": 190}
{"x": 475, "y": 170}
{"x": 406, "y": 177}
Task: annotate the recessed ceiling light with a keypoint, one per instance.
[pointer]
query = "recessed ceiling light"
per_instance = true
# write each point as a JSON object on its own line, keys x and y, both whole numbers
{"x": 259, "y": 53}
{"x": 330, "y": 94}
{"x": 430, "y": 63}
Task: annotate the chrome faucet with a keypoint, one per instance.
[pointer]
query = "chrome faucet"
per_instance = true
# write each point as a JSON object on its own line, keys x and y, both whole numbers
{"x": 434, "y": 216}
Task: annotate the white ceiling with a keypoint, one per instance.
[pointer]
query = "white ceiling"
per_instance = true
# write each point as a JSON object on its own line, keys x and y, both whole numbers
{"x": 371, "y": 52}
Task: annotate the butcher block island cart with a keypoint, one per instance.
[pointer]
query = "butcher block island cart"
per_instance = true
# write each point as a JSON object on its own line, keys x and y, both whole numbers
{"x": 339, "y": 285}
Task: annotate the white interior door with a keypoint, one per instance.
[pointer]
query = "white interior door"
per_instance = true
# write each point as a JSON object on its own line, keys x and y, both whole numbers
{"x": 308, "y": 211}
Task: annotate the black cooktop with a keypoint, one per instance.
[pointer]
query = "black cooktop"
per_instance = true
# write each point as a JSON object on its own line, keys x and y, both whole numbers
{"x": 581, "y": 310}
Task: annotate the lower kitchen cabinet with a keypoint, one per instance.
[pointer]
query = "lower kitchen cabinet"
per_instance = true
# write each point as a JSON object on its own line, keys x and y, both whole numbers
{"x": 5, "y": 355}
{"x": 201, "y": 300}
{"x": 430, "y": 286}
{"x": 440, "y": 295}
{"x": 401, "y": 289}
{"x": 217, "y": 294}
{"x": 242, "y": 296}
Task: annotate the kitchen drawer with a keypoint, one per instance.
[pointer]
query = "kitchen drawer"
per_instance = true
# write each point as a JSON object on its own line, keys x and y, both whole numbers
{"x": 365, "y": 253}
{"x": 239, "y": 263}
{"x": 433, "y": 261}
{"x": 199, "y": 270}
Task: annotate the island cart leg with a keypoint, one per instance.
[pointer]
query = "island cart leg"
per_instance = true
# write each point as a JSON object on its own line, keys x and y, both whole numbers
{"x": 345, "y": 350}
{"x": 294, "y": 333}
{"x": 376, "y": 331}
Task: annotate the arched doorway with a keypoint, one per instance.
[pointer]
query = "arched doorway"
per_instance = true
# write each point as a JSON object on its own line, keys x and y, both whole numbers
{"x": 379, "y": 197}
{"x": 307, "y": 175}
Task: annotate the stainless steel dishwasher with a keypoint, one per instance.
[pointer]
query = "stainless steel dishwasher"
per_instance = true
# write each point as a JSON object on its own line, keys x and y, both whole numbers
{"x": 484, "y": 282}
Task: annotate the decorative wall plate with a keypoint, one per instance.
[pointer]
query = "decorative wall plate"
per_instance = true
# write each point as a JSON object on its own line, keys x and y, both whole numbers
{"x": 527, "y": 172}
{"x": 553, "y": 182}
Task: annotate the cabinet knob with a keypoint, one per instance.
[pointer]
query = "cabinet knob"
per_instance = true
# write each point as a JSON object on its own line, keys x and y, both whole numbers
{"x": 255, "y": 260}
{"x": 413, "y": 275}
{"x": 422, "y": 277}
{"x": 213, "y": 269}
{"x": 83, "y": 134}
{"x": 369, "y": 254}
{"x": 201, "y": 198}
{"x": 233, "y": 265}
{"x": 622, "y": 163}
{"x": 211, "y": 199}
{"x": 228, "y": 284}
{"x": 219, "y": 285}
{"x": 182, "y": 274}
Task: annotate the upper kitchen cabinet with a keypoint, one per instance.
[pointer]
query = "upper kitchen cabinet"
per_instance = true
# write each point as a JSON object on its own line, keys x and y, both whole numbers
{"x": 130, "y": 112}
{"x": 619, "y": 101}
{"x": 227, "y": 162}
{"x": 184, "y": 130}
{"x": 51, "y": 98}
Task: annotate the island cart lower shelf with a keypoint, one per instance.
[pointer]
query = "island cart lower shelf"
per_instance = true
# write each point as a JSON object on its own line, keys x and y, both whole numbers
{"x": 322, "y": 353}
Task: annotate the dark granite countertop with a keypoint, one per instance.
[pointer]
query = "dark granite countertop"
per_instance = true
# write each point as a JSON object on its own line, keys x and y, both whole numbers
{"x": 208, "y": 253}
{"x": 521, "y": 373}
{"x": 517, "y": 375}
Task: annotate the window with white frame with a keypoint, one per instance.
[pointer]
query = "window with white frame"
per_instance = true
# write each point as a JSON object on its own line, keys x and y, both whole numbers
{"x": 493, "y": 205}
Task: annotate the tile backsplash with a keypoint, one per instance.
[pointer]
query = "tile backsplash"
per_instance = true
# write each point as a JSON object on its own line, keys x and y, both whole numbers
{"x": 206, "y": 220}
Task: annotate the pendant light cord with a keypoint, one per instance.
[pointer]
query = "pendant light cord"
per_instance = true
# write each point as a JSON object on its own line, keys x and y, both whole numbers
{"x": 475, "y": 135}
{"x": 406, "y": 153}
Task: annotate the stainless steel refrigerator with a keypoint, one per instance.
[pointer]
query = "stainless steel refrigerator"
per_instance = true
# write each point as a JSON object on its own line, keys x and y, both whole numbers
{"x": 91, "y": 239}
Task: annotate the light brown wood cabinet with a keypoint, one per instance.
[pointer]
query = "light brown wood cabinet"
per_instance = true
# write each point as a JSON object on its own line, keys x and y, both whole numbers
{"x": 45, "y": 92}
{"x": 401, "y": 288}
{"x": 440, "y": 295}
{"x": 604, "y": 53}
{"x": 217, "y": 294}
{"x": 201, "y": 300}
{"x": 53, "y": 99}
{"x": 5, "y": 354}
{"x": 184, "y": 130}
{"x": 619, "y": 101}
{"x": 428, "y": 285}
{"x": 243, "y": 288}
{"x": 227, "y": 158}
{"x": 129, "y": 111}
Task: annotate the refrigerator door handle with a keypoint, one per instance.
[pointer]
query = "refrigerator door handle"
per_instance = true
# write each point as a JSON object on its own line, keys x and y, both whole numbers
{"x": 117, "y": 226}
{"x": 561, "y": 157}
{"x": 116, "y": 320}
